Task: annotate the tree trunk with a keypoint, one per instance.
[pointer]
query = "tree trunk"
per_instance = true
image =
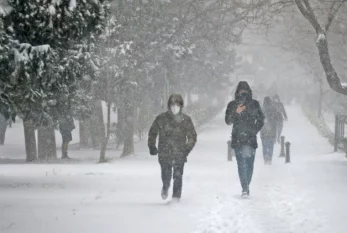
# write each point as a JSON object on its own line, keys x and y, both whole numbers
{"x": 3, "y": 127}
{"x": 141, "y": 120}
{"x": 30, "y": 140}
{"x": 107, "y": 137}
{"x": 330, "y": 72}
{"x": 84, "y": 133}
{"x": 128, "y": 146}
{"x": 320, "y": 100}
{"x": 129, "y": 130}
{"x": 97, "y": 126}
{"x": 47, "y": 148}
{"x": 120, "y": 126}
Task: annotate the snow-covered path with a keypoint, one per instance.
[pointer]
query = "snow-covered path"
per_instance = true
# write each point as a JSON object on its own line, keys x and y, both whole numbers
{"x": 307, "y": 195}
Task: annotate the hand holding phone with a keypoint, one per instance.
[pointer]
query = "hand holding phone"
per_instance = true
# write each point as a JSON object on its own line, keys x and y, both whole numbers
{"x": 240, "y": 108}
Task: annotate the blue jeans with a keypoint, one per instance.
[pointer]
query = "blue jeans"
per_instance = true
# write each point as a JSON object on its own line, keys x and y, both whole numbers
{"x": 245, "y": 156}
{"x": 279, "y": 128}
{"x": 268, "y": 149}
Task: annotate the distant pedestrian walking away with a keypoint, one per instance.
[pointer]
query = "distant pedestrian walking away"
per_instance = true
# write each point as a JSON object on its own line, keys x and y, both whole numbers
{"x": 177, "y": 138}
{"x": 247, "y": 118}
{"x": 268, "y": 132}
{"x": 66, "y": 125}
{"x": 280, "y": 116}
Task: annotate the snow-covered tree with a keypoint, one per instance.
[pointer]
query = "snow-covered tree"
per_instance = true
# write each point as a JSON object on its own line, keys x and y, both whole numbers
{"x": 113, "y": 61}
{"x": 163, "y": 36}
{"x": 55, "y": 40}
{"x": 5, "y": 103}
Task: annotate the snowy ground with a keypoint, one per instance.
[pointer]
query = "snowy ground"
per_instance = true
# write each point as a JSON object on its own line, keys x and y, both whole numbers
{"x": 307, "y": 195}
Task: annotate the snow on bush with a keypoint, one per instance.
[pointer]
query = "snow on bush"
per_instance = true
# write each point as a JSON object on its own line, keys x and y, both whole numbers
{"x": 72, "y": 5}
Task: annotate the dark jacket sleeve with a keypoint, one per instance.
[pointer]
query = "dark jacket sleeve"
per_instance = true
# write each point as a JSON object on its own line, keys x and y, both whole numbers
{"x": 191, "y": 136}
{"x": 71, "y": 124}
{"x": 153, "y": 133}
{"x": 66, "y": 125}
{"x": 283, "y": 110}
{"x": 231, "y": 115}
{"x": 259, "y": 118}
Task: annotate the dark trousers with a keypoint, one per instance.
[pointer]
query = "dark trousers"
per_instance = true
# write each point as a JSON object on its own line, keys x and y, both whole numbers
{"x": 268, "y": 149}
{"x": 67, "y": 138}
{"x": 175, "y": 171}
{"x": 279, "y": 129}
{"x": 64, "y": 148}
{"x": 245, "y": 156}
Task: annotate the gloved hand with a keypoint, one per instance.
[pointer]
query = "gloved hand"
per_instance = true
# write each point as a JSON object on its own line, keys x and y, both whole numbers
{"x": 186, "y": 151}
{"x": 153, "y": 150}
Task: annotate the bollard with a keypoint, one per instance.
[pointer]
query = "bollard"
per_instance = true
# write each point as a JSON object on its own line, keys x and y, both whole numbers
{"x": 230, "y": 153}
{"x": 287, "y": 152}
{"x": 282, "y": 154}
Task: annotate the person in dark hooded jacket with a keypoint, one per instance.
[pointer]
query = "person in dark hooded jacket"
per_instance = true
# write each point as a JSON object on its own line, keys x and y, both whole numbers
{"x": 280, "y": 116}
{"x": 177, "y": 138}
{"x": 247, "y": 118}
{"x": 268, "y": 132}
{"x": 66, "y": 125}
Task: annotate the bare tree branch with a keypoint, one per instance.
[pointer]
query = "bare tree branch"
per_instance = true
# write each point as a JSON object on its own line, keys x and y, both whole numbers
{"x": 309, "y": 14}
{"x": 335, "y": 7}
{"x": 322, "y": 42}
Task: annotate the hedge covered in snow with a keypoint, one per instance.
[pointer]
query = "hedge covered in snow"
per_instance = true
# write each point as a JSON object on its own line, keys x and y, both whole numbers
{"x": 320, "y": 124}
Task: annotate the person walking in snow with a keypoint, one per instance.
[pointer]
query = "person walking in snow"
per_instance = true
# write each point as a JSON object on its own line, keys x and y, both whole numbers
{"x": 177, "y": 138}
{"x": 247, "y": 118}
{"x": 280, "y": 116}
{"x": 66, "y": 125}
{"x": 268, "y": 132}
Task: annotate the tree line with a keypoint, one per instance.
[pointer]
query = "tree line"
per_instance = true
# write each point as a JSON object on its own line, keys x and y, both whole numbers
{"x": 65, "y": 57}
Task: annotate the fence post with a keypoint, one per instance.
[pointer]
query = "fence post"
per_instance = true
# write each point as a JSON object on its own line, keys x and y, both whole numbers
{"x": 336, "y": 133}
{"x": 230, "y": 154}
{"x": 282, "y": 154}
{"x": 342, "y": 123}
{"x": 287, "y": 152}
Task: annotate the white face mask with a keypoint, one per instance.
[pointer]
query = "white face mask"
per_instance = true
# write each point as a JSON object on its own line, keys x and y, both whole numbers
{"x": 175, "y": 109}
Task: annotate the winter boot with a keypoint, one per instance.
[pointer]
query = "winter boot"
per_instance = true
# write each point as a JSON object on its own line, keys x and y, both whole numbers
{"x": 64, "y": 155}
{"x": 64, "y": 149}
{"x": 175, "y": 200}
{"x": 164, "y": 193}
{"x": 245, "y": 192}
{"x": 267, "y": 162}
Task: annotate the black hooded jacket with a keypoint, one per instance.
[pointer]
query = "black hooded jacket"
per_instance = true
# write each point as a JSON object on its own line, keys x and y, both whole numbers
{"x": 247, "y": 124}
{"x": 177, "y": 136}
{"x": 269, "y": 129}
{"x": 281, "y": 111}
{"x": 66, "y": 124}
